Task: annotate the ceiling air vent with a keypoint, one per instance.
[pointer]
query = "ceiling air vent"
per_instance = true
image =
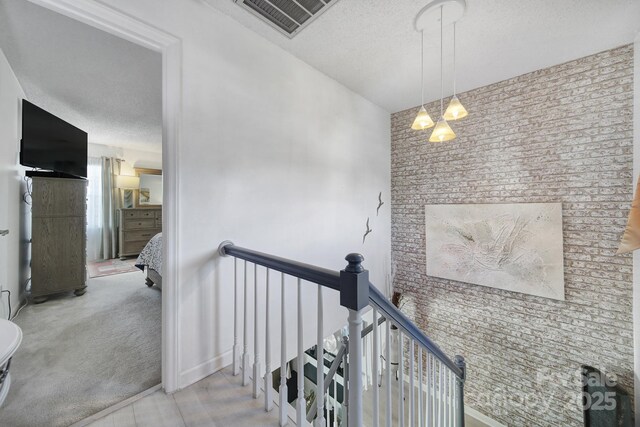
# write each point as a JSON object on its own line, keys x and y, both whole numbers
{"x": 287, "y": 16}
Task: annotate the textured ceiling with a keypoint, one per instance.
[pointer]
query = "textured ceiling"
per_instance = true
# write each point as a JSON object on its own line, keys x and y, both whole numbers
{"x": 104, "y": 85}
{"x": 370, "y": 46}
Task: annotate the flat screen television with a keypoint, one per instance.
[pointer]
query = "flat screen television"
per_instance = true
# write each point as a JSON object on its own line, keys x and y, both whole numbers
{"x": 51, "y": 144}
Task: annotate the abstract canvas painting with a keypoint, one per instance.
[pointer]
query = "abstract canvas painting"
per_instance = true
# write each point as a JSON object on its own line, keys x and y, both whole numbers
{"x": 516, "y": 247}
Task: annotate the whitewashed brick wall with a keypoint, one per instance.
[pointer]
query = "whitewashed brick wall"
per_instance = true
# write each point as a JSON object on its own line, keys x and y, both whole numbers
{"x": 562, "y": 134}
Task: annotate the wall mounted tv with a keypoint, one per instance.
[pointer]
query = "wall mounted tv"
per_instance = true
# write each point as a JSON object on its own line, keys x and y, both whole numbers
{"x": 51, "y": 144}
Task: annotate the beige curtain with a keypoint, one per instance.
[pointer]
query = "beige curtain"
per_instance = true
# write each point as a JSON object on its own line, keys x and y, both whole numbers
{"x": 110, "y": 206}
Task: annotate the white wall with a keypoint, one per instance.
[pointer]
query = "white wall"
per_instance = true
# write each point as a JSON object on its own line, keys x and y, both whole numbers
{"x": 11, "y": 186}
{"x": 132, "y": 158}
{"x": 275, "y": 156}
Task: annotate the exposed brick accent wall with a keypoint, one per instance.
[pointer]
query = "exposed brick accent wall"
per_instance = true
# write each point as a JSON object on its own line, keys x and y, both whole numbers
{"x": 562, "y": 134}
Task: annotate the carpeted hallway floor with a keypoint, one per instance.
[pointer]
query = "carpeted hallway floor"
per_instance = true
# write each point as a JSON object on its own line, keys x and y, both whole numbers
{"x": 80, "y": 355}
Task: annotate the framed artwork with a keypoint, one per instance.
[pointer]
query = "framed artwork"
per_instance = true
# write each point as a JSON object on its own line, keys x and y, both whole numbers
{"x": 516, "y": 247}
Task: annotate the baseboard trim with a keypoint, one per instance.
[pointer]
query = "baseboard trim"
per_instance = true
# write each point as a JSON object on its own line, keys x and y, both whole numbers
{"x": 482, "y": 417}
{"x": 116, "y": 407}
{"x": 205, "y": 369}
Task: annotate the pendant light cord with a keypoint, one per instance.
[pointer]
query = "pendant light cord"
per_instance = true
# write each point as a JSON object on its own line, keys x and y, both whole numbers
{"x": 441, "y": 69}
{"x": 454, "y": 58}
{"x": 422, "y": 63}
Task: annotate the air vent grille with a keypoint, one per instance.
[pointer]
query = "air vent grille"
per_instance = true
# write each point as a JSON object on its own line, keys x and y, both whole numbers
{"x": 287, "y": 16}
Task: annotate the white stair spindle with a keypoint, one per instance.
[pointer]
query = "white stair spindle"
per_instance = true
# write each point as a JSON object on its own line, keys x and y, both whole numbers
{"x": 412, "y": 417}
{"x": 375, "y": 363}
{"x": 429, "y": 404}
{"x": 256, "y": 337}
{"x": 387, "y": 356}
{"x": 452, "y": 402}
{"x": 320, "y": 420}
{"x": 236, "y": 347}
{"x": 445, "y": 398}
{"x": 441, "y": 394}
{"x": 268, "y": 376}
{"x": 400, "y": 379}
{"x": 420, "y": 393}
{"x": 335, "y": 403}
{"x": 245, "y": 355}
{"x": 301, "y": 409}
{"x": 283, "y": 357}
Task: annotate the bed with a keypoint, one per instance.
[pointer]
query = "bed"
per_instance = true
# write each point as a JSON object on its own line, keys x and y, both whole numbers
{"x": 150, "y": 259}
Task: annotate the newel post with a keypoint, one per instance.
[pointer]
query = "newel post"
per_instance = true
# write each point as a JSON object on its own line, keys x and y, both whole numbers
{"x": 460, "y": 363}
{"x": 354, "y": 295}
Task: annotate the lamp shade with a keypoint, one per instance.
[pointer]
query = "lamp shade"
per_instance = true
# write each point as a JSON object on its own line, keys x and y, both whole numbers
{"x": 455, "y": 110}
{"x": 442, "y": 132}
{"x": 127, "y": 182}
{"x": 423, "y": 120}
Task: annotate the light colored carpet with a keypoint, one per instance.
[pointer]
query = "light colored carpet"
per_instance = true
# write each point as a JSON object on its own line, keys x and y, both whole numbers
{"x": 80, "y": 355}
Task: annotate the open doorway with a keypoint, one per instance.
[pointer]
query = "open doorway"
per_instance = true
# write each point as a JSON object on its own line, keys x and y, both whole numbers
{"x": 92, "y": 343}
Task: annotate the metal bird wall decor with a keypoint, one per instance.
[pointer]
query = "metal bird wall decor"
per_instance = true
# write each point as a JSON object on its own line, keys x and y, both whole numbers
{"x": 366, "y": 232}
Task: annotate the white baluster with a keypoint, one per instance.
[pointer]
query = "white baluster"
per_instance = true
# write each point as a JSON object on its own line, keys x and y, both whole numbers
{"x": 456, "y": 402}
{"x": 376, "y": 359}
{"x": 256, "y": 340}
{"x": 283, "y": 357}
{"x": 412, "y": 418}
{"x": 401, "y": 378}
{"x": 387, "y": 355}
{"x": 420, "y": 394}
{"x": 335, "y": 403}
{"x": 452, "y": 402}
{"x": 245, "y": 356}
{"x": 445, "y": 398}
{"x": 441, "y": 393}
{"x": 268, "y": 376}
{"x": 429, "y": 404}
{"x": 236, "y": 349}
{"x": 301, "y": 409}
{"x": 320, "y": 421}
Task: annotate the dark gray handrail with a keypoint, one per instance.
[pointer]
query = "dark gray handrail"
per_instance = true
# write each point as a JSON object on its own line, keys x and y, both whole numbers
{"x": 391, "y": 312}
{"x": 331, "y": 279}
{"x": 311, "y": 273}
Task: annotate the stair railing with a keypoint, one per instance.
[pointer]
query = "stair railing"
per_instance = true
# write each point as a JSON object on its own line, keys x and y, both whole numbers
{"x": 441, "y": 405}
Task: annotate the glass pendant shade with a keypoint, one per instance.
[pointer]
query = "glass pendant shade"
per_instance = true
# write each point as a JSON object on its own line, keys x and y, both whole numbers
{"x": 455, "y": 110}
{"x": 423, "y": 120}
{"x": 442, "y": 132}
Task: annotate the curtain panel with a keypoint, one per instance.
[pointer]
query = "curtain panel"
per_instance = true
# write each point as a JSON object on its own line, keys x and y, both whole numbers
{"x": 110, "y": 206}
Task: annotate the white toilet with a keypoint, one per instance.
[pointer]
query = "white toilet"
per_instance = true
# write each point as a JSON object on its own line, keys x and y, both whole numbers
{"x": 10, "y": 339}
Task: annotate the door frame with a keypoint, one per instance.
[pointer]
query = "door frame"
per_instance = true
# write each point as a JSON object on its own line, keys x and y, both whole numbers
{"x": 124, "y": 26}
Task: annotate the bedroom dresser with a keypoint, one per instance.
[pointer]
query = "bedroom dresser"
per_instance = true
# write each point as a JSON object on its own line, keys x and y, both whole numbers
{"x": 137, "y": 226}
{"x": 58, "y": 236}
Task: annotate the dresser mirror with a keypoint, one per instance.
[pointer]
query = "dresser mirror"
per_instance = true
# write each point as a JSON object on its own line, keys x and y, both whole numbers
{"x": 150, "y": 192}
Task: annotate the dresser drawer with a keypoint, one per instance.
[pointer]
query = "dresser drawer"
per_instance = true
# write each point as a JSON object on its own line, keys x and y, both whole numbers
{"x": 135, "y": 223}
{"x": 139, "y": 235}
{"x": 138, "y": 213}
{"x": 132, "y": 247}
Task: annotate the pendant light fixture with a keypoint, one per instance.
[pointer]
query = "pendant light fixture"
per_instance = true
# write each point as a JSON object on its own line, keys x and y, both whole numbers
{"x": 442, "y": 132}
{"x": 455, "y": 110}
{"x": 423, "y": 119}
